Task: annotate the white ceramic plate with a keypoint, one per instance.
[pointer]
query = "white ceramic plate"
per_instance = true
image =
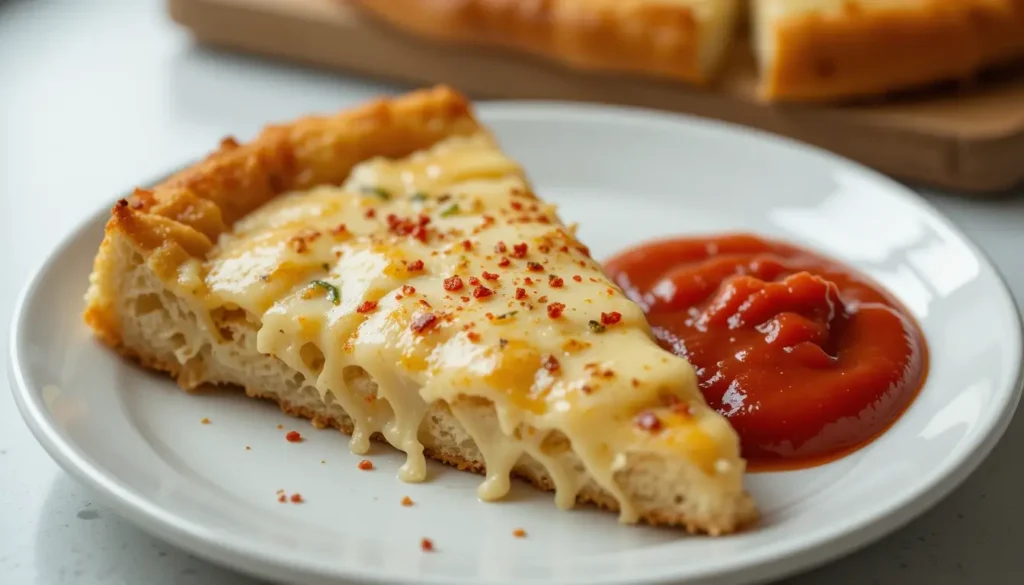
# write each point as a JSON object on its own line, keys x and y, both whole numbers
{"x": 626, "y": 176}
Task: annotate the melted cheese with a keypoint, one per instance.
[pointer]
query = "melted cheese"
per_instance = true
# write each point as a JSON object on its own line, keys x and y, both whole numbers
{"x": 362, "y": 275}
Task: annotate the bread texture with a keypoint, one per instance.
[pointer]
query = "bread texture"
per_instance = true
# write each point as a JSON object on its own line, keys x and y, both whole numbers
{"x": 140, "y": 302}
{"x": 681, "y": 39}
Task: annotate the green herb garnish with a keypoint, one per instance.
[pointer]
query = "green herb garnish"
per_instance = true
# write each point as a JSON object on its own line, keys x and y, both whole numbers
{"x": 596, "y": 327}
{"x": 418, "y": 197}
{"x": 382, "y": 193}
{"x": 332, "y": 291}
{"x": 508, "y": 315}
{"x": 451, "y": 210}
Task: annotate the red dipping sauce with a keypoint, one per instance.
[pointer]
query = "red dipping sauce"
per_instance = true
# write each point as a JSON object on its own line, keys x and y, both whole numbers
{"x": 808, "y": 359}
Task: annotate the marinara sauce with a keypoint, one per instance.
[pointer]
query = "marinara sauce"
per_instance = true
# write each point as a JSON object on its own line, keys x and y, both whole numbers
{"x": 808, "y": 359}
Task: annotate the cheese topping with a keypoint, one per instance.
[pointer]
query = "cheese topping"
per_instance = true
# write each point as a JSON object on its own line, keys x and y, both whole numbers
{"x": 443, "y": 278}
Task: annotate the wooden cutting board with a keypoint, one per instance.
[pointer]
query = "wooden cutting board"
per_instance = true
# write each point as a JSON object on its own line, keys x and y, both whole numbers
{"x": 969, "y": 139}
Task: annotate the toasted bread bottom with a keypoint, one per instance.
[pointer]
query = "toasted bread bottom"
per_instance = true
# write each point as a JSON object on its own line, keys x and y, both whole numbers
{"x": 132, "y": 311}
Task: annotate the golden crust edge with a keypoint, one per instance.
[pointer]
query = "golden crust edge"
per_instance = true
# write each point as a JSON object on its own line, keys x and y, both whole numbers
{"x": 559, "y": 31}
{"x": 182, "y": 217}
{"x": 923, "y": 46}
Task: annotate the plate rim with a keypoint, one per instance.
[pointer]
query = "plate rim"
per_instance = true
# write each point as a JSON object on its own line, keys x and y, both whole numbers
{"x": 821, "y": 546}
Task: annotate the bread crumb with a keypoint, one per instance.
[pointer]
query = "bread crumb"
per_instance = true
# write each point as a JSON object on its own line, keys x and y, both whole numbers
{"x": 279, "y": 427}
{"x": 366, "y": 465}
{"x": 427, "y": 545}
{"x": 323, "y": 461}
{"x": 407, "y": 501}
{"x": 248, "y": 448}
{"x": 519, "y": 533}
{"x": 205, "y": 421}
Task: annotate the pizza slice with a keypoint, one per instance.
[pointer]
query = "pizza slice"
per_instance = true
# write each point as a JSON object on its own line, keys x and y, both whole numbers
{"x": 834, "y": 49}
{"x": 389, "y": 272}
{"x": 680, "y": 39}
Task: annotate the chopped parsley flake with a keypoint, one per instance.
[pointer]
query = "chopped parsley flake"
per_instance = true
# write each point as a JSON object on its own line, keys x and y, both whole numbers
{"x": 596, "y": 327}
{"x": 379, "y": 192}
{"x": 451, "y": 210}
{"x": 418, "y": 197}
{"x": 332, "y": 291}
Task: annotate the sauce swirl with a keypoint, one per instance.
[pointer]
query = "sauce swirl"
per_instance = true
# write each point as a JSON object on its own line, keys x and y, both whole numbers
{"x": 808, "y": 359}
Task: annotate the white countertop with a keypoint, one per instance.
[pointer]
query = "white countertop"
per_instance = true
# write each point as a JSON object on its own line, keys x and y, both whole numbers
{"x": 96, "y": 96}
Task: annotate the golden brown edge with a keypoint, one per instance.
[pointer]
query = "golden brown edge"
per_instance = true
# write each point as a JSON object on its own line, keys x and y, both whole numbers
{"x": 660, "y": 40}
{"x": 861, "y": 53}
{"x": 183, "y": 216}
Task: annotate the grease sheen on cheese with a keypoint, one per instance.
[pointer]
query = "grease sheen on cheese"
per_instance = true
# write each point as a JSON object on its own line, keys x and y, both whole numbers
{"x": 355, "y": 277}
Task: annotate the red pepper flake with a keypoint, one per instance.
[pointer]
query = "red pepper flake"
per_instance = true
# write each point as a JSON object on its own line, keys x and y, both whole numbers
{"x": 489, "y": 275}
{"x": 407, "y": 501}
{"x": 543, "y": 299}
{"x": 544, "y": 248}
{"x": 504, "y": 262}
{"x": 555, "y": 310}
{"x": 293, "y": 437}
{"x": 453, "y": 283}
{"x": 482, "y": 292}
{"x": 366, "y": 307}
{"x": 500, "y": 248}
{"x": 420, "y": 233}
{"x": 414, "y": 266}
{"x": 519, "y": 533}
{"x": 648, "y": 421}
{"x": 282, "y": 498}
{"x": 564, "y": 249}
{"x": 427, "y": 545}
{"x": 422, "y": 322}
{"x": 467, "y": 245}
{"x": 550, "y": 363}
{"x": 635, "y": 383}
{"x": 519, "y": 250}
{"x": 408, "y": 290}
{"x": 555, "y": 281}
{"x": 474, "y": 281}
{"x": 296, "y": 498}
{"x": 577, "y": 278}
{"x": 339, "y": 230}
{"x": 205, "y": 421}
{"x": 366, "y": 465}
{"x": 371, "y": 213}
{"x": 473, "y": 336}
{"x": 535, "y": 266}
{"x": 520, "y": 293}
{"x": 611, "y": 318}
{"x": 517, "y": 205}
{"x": 528, "y": 280}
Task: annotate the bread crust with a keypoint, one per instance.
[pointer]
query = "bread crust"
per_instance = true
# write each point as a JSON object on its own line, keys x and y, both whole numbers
{"x": 865, "y": 52}
{"x": 602, "y": 35}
